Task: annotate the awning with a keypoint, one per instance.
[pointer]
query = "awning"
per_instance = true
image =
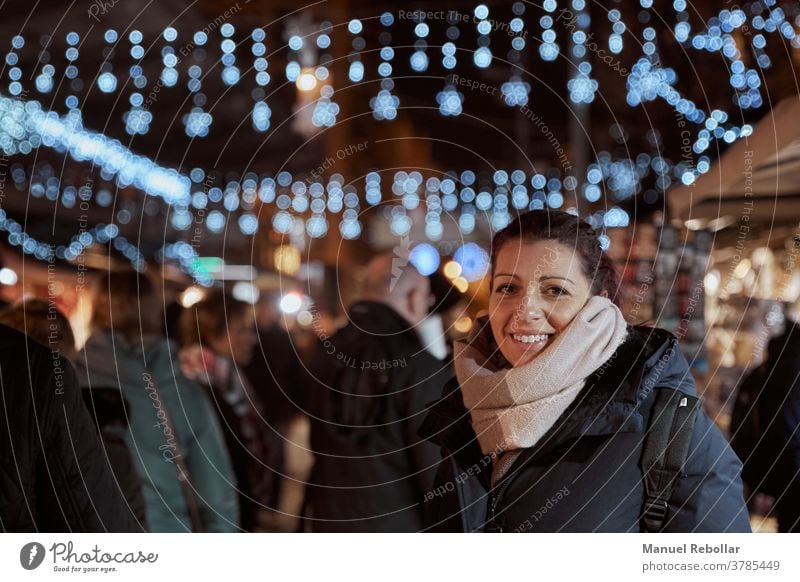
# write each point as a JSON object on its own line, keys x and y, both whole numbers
{"x": 759, "y": 174}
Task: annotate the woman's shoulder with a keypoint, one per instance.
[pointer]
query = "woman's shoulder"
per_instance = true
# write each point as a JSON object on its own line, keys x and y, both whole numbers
{"x": 160, "y": 346}
{"x": 642, "y": 345}
{"x": 650, "y": 337}
{"x": 641, "y": 363}
{"x": 662, "y": 363}
{"x": 651, "y": 345}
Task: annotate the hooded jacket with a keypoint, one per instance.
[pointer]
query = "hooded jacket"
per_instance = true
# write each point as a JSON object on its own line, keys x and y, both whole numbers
{"x": 584, "y": 474}
{"x": 148, "y": 375}
{"x": 372, "y": 380}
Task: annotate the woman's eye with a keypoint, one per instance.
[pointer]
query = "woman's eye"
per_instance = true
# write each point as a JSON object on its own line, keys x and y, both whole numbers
{"x": 504, "y": 289}
{"x": 557, "y": 291}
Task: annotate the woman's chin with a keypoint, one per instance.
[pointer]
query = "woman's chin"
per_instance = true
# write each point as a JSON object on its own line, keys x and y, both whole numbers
{"x": 520, "y": 354}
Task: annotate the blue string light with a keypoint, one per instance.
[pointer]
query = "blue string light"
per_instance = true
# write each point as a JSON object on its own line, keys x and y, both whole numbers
{"x": 548, "y": 49}
{"x": 26, "y": 127}
{"x": 325, "y": 110}
{"x": 450, "y": 101}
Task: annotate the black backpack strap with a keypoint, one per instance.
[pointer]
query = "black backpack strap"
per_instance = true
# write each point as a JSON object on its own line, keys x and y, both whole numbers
{"x": 666, "y": 447}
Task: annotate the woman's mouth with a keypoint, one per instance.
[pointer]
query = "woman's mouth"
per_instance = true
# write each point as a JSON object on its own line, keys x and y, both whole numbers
{"x": 531, "y": 341}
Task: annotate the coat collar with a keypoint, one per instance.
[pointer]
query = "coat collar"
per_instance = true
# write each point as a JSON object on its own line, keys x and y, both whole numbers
{"x": 608, "y": 404}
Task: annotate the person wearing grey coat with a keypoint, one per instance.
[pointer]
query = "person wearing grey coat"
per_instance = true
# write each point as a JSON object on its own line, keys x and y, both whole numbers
{"x": 170, "y": 419}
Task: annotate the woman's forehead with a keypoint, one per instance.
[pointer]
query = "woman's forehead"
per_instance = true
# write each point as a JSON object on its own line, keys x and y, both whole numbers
{"x": 535, "y": 260}
{"x": 526, "y": 253}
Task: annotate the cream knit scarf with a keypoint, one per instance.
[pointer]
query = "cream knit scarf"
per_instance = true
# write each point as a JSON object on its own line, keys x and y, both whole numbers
{"x": 512, "y": 408}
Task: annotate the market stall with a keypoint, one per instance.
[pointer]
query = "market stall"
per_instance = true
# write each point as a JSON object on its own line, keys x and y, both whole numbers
{"x": 747, "y": 207}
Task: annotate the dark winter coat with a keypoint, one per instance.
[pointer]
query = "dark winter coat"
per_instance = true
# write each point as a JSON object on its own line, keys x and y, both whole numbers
{"x": 372, "y": 380}
{"x": 108, "y": 408}
{"x": 278, "y": 378}
{"x": 772, "y": 394}
{"x": 277, "y": 375}
{"x": 585, "y": 474}
{"x": 54, "y": 476}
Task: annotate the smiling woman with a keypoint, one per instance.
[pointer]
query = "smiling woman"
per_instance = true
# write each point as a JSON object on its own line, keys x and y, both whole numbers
{"x": 542, "y": 275}
{"x": 553, "y": 393}
{"x": 532, "y": 301}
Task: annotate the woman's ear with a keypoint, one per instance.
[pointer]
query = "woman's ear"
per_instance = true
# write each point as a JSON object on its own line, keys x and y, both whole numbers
{"x": 604, "y": 293}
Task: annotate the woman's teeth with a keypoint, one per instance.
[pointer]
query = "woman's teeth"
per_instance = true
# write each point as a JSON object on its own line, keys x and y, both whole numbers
{"x": 531, "y": 339}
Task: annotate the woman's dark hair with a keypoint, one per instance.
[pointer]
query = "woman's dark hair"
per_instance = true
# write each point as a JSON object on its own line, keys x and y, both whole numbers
{"x": 126, "y": 302}
{"x": 572, "y": 232}
{"x": 209, "y": 318}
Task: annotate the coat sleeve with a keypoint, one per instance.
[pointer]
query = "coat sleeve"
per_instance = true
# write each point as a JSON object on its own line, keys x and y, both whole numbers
{"x": 211, "y": 472}
{"x": 77, "y": 491}
{"x": 425, "y": 455}
{"x": 458, "y": 498}
{"x": 124, "y": 470}
{"x": 442, "y": 506}
{"x": 709, "y": 496}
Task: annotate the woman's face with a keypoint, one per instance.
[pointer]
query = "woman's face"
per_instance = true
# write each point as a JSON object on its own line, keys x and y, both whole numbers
{"x": 537, "y": 289}
{"x": 238, "y": 340}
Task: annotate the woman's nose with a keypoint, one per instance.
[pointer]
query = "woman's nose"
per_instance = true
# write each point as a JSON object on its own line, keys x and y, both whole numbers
{"x": 532, "y": 308}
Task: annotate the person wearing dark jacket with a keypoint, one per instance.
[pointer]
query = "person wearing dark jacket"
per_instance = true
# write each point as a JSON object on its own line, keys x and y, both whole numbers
{"x": 46, "y": 324}
{"x": 371, "y": 382}
{"x": 544, "y": 426}
{"x": 770, "y": 396}
{"x": 53, "y": 474}
{"x": 278, "y": 377}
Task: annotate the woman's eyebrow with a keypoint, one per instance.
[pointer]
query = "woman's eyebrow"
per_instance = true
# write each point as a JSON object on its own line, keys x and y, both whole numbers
{"x": 543, "y": 277}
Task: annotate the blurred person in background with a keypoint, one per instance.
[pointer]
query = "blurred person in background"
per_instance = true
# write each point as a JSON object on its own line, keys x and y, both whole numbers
{"x": 278, "y": 376}
{"x": 43, "y": 322}
{"x": 46, "y": 324}
{"x": 53, "y": 477}
{"x": 765, "y": 427}
{"x": 172, "y": 317}
{"x": 371, "y": 381}
{"x": 448, "y": 306}
{"x": 218, "y": 337}
{"x": 172, "y": 433}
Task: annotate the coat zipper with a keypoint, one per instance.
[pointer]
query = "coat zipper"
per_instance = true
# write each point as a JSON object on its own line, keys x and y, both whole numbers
{"x": 495, "y": 501}
{"x": 509, "y": 477}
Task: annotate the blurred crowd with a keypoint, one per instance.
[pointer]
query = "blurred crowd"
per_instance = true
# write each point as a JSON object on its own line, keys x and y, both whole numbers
{"x": 215, "y": 416}
{"x": 202, "y": 418}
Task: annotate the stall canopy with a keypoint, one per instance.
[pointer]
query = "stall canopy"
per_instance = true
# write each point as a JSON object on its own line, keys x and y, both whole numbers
{"x": 762, "y": 168}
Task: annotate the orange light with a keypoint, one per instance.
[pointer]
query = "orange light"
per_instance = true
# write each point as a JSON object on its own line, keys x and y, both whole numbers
{"x": 461, "y": 284}
{"x": 452, "y": 270}
{"x": 463, "y": 324}
{"x": 287, "y": 259}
